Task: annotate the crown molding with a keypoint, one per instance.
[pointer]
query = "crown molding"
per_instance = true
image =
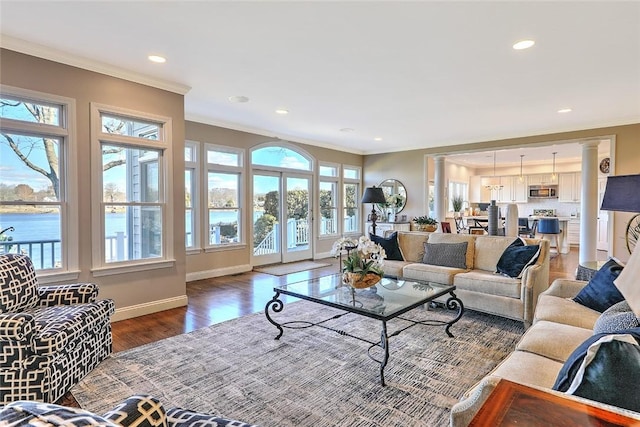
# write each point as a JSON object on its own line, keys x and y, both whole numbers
{"x": 52, "y": 54}
{"x": 265, "y": 132}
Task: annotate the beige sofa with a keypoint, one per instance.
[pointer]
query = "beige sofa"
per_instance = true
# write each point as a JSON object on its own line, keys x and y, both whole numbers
{"x": 560, "y": 326}
{"x": 478, "y": 286}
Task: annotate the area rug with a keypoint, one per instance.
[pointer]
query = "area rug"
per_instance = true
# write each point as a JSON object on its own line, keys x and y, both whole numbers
{"x": 292, "y": 267}
{"x": 310, "y": 377}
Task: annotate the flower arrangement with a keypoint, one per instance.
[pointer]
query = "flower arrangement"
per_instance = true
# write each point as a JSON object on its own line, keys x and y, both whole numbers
{"x": 363, "y": 266}
{"x": 395, "y": 201}
{"x": 341, "y": 244}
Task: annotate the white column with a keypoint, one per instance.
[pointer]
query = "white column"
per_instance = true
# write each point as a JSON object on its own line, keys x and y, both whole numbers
{"x": 439, "y": 189}
{"x": 589, "y": 202}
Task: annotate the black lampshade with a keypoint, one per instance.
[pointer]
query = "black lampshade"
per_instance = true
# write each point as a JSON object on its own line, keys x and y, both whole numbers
{"x": 373, "y": 195}
{"x": 622, "y": 194}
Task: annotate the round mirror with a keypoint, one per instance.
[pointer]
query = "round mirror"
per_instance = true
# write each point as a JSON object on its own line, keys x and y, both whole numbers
{"x": 395, "y": 193}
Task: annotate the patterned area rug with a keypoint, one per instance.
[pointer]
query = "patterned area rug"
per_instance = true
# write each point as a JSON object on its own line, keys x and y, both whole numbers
{"x": 293, "y": 267}
{"x": 310, "y": 377}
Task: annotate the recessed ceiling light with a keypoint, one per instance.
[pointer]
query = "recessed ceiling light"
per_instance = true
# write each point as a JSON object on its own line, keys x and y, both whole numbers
{"x": 157, "y": 59}
{"x": 565, "y": 110}
{"x": 282, "y": 111}
{"x": 239, "y": 98}
{"x": 377, "y": 138}
{"x": 347, "y": 130}
{"x": 523, "y": 44}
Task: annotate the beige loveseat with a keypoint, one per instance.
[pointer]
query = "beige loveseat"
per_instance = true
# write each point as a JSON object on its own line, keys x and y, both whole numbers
{"x": 478, "y": 286}
{"x": 560, "y": 326}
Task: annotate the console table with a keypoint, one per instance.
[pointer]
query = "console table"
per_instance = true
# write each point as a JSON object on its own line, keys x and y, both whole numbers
{"x": 513, "y": 404}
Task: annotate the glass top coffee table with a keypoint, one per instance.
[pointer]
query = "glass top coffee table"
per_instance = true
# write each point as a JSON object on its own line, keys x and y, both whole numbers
{"x": 387, "y": 300}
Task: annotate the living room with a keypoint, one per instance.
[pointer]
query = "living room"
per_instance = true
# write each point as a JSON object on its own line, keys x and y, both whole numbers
{"x": 30, "y": 69}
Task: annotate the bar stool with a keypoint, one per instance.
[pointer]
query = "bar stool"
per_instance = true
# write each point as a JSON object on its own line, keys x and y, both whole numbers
{"x": 551, "y": 227}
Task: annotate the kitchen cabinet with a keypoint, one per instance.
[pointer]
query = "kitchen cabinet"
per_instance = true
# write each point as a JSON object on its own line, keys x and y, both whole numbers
{"x": 512, "y": 191}
{"x": 539, "y": 179}
{"x": 478, "y": 193}
{"x": 569, "y": 187}
{"x": 382, "y": 227}
{"x": 573, "y": 232}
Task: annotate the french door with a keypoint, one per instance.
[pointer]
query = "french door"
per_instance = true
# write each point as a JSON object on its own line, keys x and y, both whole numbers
{"x": 282, "y": 230}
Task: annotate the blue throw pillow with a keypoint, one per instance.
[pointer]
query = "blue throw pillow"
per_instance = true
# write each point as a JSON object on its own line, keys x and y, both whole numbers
{"x": 390, "y": 246}
{"x": 516, "y": 257}
{"x": 610, "y": 374}
{"x": 600, "y": 293}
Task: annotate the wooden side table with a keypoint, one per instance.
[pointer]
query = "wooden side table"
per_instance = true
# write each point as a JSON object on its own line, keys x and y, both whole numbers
{"x": 513, "y": 404}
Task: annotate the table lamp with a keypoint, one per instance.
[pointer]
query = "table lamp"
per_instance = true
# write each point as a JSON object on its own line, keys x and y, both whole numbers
{"x": 373, "y": 195}
{"x": 621, "y": 194}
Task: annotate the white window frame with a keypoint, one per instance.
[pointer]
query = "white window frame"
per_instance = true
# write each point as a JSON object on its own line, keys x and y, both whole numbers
{"x": 165, "y": 187}
{"x": 194, "y": 167}
{"x": 68, "y": 173}
{"x": 456, "y": 188}
{"x": 337, "y": 200}
{"x": 218, "y": 168}
{"x": 358, "y": 181}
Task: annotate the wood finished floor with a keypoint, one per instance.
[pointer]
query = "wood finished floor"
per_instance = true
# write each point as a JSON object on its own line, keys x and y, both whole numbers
{"x": 224, "y": 298}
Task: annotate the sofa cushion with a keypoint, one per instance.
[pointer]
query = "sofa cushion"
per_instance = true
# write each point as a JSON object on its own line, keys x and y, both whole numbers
{"x": 488, "y": 251}
{"x": 617, "y": 317}
{"x": 600, "y": 293}
{"x": 516, "y": 257}
{"x": 394, "y": 268}
{"x": 566, "y": 311}
{"x": 529, "y": 369}
{"x": 431, "y": 273}
{"x": 18, "y": 283}
{"x": 412, "y": 245}
{"x": 553, "y": 340}
{"x": 457, "y": 238}
{"x": 446, "y": 254}
{"x": 488, "y": 283}
{"x": 605, "y": 368}
{"x": 390, "y": 246}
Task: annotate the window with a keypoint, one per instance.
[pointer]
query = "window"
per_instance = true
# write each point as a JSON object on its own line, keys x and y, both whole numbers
{"x": 351, "y": 199}
{"x": 191, "y": 174}
{"x": 280, "y": 157}
{"x": 224, "y": 189}
{"x": 328, "y": 200}
{"x": 457, "y": 189}
{"x": 134, "y": 152}
{"x": 36, "y": 184}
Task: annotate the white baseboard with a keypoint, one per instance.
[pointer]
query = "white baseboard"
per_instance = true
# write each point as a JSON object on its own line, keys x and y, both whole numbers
{"x": 148, "y": 308}
{"x": 322, "y": 255}
{"x": 226, "y": 271}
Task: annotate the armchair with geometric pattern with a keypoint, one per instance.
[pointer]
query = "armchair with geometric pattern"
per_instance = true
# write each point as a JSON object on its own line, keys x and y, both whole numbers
{"x": 50, "y": 336}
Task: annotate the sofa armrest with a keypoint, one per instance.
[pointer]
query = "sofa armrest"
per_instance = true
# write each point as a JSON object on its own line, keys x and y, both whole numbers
{"x": 535, "y": 280}
{"x": 463, "y": 412}
{"x": 16, "y": 327}
{"x": 139, "y": 410}
{"x": 77, "y": 293}
{"x": 565, "y": 288}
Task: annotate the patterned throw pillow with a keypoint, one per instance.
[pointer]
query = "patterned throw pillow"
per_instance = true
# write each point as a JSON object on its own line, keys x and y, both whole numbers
{"x": 446, "y": 254}
{"x": 18, "y": 283}
{"x": 618, "y": 316}
{"x": 600, "y": 293}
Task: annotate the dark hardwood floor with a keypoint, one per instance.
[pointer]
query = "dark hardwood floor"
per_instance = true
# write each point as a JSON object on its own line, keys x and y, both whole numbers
{"x": 224, "y": 298}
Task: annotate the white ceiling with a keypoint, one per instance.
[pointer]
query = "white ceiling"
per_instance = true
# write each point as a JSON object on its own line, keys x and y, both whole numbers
{"x": 417, "y": 74}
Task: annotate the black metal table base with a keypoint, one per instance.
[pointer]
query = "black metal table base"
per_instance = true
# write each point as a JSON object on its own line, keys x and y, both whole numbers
{"x": 452, "y": 303}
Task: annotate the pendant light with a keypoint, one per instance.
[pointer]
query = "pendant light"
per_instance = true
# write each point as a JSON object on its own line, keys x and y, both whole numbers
{"x": 521, "y": 177}
{"x": 554, "y": 176}
{"x": 493, "y": 183}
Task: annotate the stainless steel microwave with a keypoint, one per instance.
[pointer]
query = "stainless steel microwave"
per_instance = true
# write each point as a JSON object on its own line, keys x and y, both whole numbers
{"x": 543, "y": 191}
